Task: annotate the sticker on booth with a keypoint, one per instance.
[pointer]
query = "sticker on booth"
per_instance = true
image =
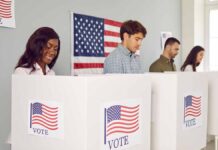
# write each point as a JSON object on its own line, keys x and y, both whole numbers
{"x": 46, "y": 119}
{"x": 121, "y": 126}
{"x": 192, "y": 111}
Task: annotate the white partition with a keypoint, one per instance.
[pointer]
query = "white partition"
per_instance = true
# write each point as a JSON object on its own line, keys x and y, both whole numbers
{"x": 179, "y": 111}
{"x": 89, "y": 113}
{"x": 212, "y": 106}
{"x": 213, "y": 103}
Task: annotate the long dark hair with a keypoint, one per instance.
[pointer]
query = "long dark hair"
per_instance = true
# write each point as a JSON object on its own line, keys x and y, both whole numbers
{"x": 35, "y": 45}
{"x": 191, "y": 58}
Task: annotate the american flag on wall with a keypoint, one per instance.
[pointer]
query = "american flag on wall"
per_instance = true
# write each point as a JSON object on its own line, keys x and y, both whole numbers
{"x": 192, "y": 106}
{"x": 44, "y": 116}
{"x": 121, "y": 119}
{"x": 94, "y": 39}
{"x": 7, "y": 13}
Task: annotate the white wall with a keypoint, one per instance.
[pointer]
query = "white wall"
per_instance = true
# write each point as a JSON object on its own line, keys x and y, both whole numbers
{"x": 193, "y": 30}
{"x": 155, "y": 15}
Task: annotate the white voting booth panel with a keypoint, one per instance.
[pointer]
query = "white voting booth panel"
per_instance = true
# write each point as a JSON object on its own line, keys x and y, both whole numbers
{"x": 213, "y": 103}
{"x": 212, "y": 106}
{"x": 81, "y": 113}
{"x": 179, "y": 111}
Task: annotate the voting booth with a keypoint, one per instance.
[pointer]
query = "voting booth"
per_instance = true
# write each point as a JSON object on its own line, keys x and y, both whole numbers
{"x": 213, "y": 105}
{"x": 81, "y": 113}
{"x": 179, "y": 111}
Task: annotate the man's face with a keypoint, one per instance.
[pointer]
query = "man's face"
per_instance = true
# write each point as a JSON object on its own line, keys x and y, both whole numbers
{"x": 133, "y": 42}
{"x": 173, "y": 50}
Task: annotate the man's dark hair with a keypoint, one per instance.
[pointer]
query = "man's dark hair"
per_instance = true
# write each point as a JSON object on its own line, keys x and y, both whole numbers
{"x": 171, "y": 41}
{"x": 132, "y": 27}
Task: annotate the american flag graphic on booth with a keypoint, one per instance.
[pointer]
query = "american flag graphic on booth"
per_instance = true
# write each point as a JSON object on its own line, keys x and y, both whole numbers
{"x": 44, "y": 116}
{"x": 94, "y": 39}
{"x": 192, "y": 106}
{"x": 121, "y": 119}
{"x": 5, "y": 9}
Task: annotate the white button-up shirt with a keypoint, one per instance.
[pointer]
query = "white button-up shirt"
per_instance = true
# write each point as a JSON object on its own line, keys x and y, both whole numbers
{"x": 38, "y": 71}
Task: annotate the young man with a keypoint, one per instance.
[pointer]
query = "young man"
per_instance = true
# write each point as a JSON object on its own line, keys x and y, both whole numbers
{"x": 123, "y": 59}
{"x": 166, "y": 62}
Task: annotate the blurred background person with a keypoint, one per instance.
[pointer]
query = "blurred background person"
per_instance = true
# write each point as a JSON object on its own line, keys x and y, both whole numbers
{"x": 193, "y": 59}
{"x": 166, "y": 60}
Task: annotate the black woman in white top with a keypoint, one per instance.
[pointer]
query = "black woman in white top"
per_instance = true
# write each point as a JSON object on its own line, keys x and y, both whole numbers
{"x": 42, "y": 50}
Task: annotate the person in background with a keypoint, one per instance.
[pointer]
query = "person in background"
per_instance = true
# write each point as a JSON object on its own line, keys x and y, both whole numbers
{"x": 193, "y": 59}
{"x": 42, "y": 50}
{"x": 124, "y": 58}
{"x": 166, "y": 60}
